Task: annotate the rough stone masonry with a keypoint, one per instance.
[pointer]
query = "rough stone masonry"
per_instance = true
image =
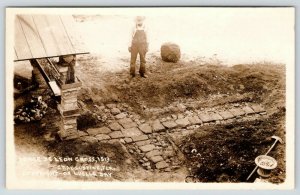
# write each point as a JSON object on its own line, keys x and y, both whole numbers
{"x": 68, "y": 107}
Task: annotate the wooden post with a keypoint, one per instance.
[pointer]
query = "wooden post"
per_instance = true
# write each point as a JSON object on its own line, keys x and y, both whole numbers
{"x": 37, "y": 76}
{"x": 66, "y": 66}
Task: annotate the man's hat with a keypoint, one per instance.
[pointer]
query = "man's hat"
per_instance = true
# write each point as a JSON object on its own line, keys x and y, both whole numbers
{"x": 139, "y": 19}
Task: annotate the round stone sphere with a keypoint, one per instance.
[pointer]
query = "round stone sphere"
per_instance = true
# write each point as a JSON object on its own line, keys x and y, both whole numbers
{"x": 170, "y": 52}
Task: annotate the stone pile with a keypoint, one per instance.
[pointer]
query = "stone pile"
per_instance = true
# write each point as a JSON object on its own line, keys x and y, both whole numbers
{"x": 33, "y": 111}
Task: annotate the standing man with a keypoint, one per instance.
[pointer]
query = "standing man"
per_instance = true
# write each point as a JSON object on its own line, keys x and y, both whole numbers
{"x": 138, "y": 45}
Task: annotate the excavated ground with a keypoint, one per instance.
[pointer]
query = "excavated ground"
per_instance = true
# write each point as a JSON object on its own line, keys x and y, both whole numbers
{"x": 184, "y": 119}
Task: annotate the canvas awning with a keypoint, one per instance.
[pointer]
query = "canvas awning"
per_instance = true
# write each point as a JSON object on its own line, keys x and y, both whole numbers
{"x": 41, "y": 36}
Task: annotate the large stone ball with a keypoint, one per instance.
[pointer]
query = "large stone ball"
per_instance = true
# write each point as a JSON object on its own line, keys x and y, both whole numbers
{"x": 170, "y": 52}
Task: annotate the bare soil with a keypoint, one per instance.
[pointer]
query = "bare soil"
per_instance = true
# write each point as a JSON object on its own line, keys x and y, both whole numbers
{"x": 186, "y": 80}
{"x": 226, "y": 153}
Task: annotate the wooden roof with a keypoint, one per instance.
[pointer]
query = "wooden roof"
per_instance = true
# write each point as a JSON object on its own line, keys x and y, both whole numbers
{"x": 40, "y": 36}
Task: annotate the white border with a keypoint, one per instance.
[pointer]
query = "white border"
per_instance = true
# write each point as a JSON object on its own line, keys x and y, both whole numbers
{"x": 14, "y": 183}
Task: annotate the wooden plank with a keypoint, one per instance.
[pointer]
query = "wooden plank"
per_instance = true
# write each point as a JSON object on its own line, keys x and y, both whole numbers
{"x": 46, "y": 35}
{"x": 49, "y": 56}
{"x": 55, "y": 89}
{"x": 60, "y": 35}
{"x": 22, "y": 49}
{"x": 35, "y": 44}
{"x": 72, "y": 32}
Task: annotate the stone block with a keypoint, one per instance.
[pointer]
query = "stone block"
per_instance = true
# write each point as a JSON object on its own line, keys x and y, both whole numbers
{"x": 139, "y": 138}
{"x": 69, "y": 105}
{"x": 116, "y": 134}
{"x": 127, "y": 123}
{"x": 131, "y": 132}
{"x": 101, "y": 137}
{"x": 156, "y": 159}
{"x": 181, "y": 107}
{"x": 67, "y": 126}
{"x": 71, "y": 86}
{"x": 161, "y": 165}
{"x": 183, "y": 122}
{"x": 153, "y": 153}
{"x": 128, "y": 140}
{"x": 195, "y": 120}
{"x": 169, "y": 124}
{"x": 145, "y": 128}
{"x": 89, "y": 139}
{"x": 258, "y": 108}
{"x": 237, "y": 112}
{"x": 71, "y": 137}
{"x": 82, "y": 133}
{"x": 147, "y": 148}
{"x": 68, "y": 113}
{"x": 248, "y": 110}
{"x": 115, "y": 111}
{"x": 216, "y": 116}
{"x": 120, "y": 116}
{"x": 180, "y": 116}
{"x": 110, "y": 106}
{"x": 226, "y": 115}
{"x": 66, "y": 135}
{"x": 96, "y": 131}
{"x": 143, "y": 143}
{"x": 69, "y": 94}
{"x": 125, "y": 120}
{"x": 168, "y": 153}
{"x": 115, "y": 126}
{"x": 113, "y": 141}
{"x": 69, "y": 120}
{"x": 146, "y": 164}
{"x": 205, "y": 118}
{"x": 69, "y": 99}
{"x": 157, "y": 126}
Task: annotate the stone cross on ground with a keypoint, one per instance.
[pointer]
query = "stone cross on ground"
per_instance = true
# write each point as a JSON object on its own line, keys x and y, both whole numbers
{"x": 151, "y": 143}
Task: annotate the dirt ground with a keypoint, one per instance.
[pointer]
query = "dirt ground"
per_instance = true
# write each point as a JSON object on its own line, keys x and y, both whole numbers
{"x": 235, "y": 147}
{"x": 224, "y": 152}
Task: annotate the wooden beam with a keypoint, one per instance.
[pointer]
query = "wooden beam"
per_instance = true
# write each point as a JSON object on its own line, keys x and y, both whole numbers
{"x": 51, "y": 83}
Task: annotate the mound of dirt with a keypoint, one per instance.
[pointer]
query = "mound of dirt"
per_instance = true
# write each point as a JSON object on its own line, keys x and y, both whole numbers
{"x": 170, "y": 82}
{"x": 235, "y": 146}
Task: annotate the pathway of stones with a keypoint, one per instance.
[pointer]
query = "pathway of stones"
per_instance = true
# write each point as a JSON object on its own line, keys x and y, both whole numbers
{"x": 149, "y": 142}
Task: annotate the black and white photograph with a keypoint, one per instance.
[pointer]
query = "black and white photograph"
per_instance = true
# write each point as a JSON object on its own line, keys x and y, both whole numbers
{"x": 150, "y": 98}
